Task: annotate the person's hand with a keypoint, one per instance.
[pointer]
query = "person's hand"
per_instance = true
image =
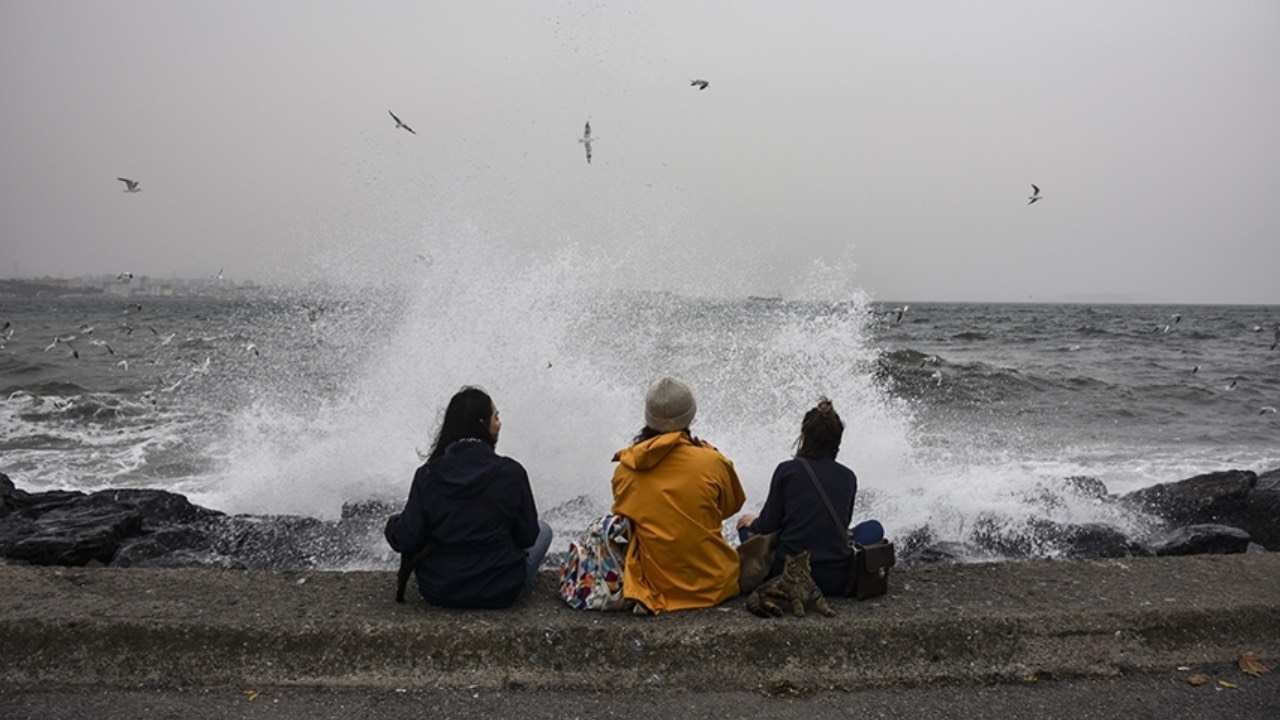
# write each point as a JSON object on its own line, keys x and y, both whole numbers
{"x": 746, "y": 520}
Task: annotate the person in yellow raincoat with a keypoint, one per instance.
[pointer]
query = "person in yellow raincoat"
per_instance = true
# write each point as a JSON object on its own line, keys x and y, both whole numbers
{"x": 677, "y": 490}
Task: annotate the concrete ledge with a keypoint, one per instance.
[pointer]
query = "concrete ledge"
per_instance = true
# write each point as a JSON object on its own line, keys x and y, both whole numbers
{"x": 182, "y": 628}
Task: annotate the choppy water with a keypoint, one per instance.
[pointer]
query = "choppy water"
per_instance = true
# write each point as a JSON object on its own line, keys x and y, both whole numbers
{"x": 957, "y": 411}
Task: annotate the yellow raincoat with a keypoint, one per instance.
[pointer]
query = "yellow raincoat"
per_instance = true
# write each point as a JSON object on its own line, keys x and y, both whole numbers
{"x": 677, "y": 492}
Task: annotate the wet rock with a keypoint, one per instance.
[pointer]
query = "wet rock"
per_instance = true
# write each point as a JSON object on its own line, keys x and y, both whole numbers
{"x": 370, "y": 512}
{"x": 941, "y": 552}
{"x": 171, "y": 546}
{"x": 1096, "y": 540}
{"x": 1039, "y": 538}
{"x": 1202, "y": 540}
{"x": 6, "y": 493}
{"x": 75, "y": 534}
{"x": 1200, "y": 499}
{"x": 910, "y": 544}
{"x": 1085, "y": 486}
{"x": 1236, "y": 498}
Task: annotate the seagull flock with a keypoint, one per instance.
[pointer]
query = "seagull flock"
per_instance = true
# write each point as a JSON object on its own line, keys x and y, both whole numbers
{"x": 125, "y": 345}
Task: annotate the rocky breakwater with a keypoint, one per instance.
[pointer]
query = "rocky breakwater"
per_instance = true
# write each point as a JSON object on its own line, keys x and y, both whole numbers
{"x": 155, "y": 528}
{"x": 1224, "y": 512}
{"x": 1232, "y": 511}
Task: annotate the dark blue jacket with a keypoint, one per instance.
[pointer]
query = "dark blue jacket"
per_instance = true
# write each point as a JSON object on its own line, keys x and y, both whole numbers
{"x": 795, "y": 507}
{"x": 477, "y": 508}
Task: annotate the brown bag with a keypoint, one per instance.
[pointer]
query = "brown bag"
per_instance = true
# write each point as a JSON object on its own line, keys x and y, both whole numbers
{"x": 869, "y": 570}
{"x": 755, "y": 560}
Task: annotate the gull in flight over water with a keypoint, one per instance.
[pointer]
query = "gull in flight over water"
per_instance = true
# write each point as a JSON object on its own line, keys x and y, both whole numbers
{"x": 700, "y": 84}
{"x": 130, "y": 186}
{"x": 586, "y": 141}
{"x": 399, "y": 123}
{"x": 64, "y": 340}
{"x": 1035, "y": 194}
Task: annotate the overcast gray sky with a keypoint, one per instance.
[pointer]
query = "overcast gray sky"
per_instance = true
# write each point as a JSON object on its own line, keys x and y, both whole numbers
{"x": 895, "y": 140}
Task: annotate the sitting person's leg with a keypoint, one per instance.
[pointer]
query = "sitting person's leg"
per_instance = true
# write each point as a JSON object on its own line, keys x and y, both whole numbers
{"x": 537, "y": 552}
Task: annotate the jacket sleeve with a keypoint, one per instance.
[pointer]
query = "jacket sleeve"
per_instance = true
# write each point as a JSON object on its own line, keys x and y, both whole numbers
{"x": 732, "y": 496}
{"x": 775, "y": 506}
{"x": 408, "y": 531}
{"x": 524, "y": 528}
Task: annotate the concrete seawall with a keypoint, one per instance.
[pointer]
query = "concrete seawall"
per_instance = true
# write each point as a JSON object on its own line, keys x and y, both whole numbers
{"x": 1009, "y": 621}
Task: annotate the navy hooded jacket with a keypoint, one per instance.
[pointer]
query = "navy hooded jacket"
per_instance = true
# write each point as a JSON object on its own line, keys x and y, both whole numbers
{"x": 477, "y": 509}
{"x": 795, "y": 507}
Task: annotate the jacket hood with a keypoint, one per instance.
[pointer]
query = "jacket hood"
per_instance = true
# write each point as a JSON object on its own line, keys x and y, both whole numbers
{"x": 647, "y": 454}
{"x": 466, "y": 468}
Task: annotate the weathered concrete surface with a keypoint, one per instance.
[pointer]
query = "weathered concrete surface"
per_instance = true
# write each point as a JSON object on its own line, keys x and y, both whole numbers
{"x": 183, "y": 628}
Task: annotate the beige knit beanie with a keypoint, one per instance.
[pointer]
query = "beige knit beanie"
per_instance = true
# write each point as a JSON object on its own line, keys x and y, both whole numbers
{"x": 669, "y": 405}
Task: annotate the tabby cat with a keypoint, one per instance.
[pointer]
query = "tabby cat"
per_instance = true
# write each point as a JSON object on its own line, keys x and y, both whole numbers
{"x": 795, "y": 586}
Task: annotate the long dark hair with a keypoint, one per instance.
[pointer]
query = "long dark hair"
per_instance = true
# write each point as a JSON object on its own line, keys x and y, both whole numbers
{"x": 467, "y": 416}
{"x": 820, "y": 432}
{"x": 648, "y": 433}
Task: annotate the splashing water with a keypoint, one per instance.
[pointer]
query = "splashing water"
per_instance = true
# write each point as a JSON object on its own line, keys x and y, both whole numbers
{"x": 567, "y": 355}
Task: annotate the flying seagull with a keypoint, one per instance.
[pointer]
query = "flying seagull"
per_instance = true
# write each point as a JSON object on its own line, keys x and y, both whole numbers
{"x": 1035, "y": 195}
{"x": 586, "y": 141}
{"x": 400, "y": 124}
{"x": 700, "y": 84}
{"x": 130, "y": 186}
{"x": 125, "y": 276}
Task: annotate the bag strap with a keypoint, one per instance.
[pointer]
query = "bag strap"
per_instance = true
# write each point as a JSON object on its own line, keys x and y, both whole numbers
{"x": 840, "y": 528}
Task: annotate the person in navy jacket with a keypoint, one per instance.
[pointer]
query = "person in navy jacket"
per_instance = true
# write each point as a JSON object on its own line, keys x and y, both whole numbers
{"x": 796, "y": 508}
{"x": 475, "y": 511}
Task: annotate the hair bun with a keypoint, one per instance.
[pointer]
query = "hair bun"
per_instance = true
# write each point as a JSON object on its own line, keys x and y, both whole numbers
{"x": 824, "y": 405}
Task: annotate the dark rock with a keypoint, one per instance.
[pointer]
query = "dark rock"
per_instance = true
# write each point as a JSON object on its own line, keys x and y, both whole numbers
{"x": 1085, "y": 486}
{"x": 62, "y": 527}
{"x": 1201, "y": 499}
{"x": 1202, "y": 540}
{"x": 33, "y": 505}
{"x": 911, "y": 543}
{"x": 159, "y": 508}
{"x": 941, "y": 552}
{"x": 1096, "y": 540}
{"x": 1269, "y": 479}
{"x": 371, "y": 512}
{"x": 1040, "y": 538}
{"x": 1237, "y": 498}
{"x": 171, "y": 546}
{"x": 6, "y": 493}
{"x": 75, "y": 534}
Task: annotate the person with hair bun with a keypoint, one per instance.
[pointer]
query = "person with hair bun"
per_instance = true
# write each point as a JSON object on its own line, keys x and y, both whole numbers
{"x": 677, "y": 491}
{"x": 796, "y": 510}
{"x": 471, "y": 514}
